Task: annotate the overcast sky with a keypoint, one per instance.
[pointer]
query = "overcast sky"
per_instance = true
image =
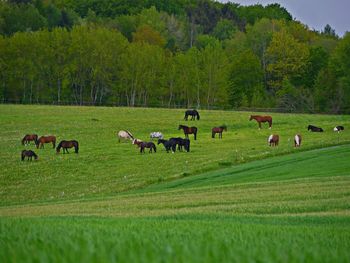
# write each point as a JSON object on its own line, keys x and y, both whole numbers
{"x": 314, "y": 13}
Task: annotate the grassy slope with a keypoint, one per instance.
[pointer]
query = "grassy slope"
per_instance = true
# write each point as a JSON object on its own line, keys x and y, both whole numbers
{"x": 239, "y": 214}
{"x": 104, "y": 167}
{"x": 291, "y": 208}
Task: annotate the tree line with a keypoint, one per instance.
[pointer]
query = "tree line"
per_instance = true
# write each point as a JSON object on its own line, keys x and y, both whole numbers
{"x": 201, "y": 54}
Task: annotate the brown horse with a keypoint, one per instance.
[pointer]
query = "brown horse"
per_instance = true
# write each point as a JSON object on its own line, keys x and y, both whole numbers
{"x": 29, "y": 154}
{"x": 273, "y": 140}
{"x": 218, "y": 130}
{"x": 46, "y": 139}
{"x": 149, "y": 145}
{"x": 28, "y": 138}
{"x": 68, "y": 144}
{"x": 189, "y": 130}
{"x": 261, "y": 119}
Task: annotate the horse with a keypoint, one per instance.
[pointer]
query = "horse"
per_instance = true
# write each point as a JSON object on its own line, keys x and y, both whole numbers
{"x": 125, "y": 135}
{"x": 193, "y": 114}
{"x": 297, "y": 140}
{"x": 149, "y": 145}
{"x": 28, "y": 138}
{"x": 180, "y": 142}
{"x": 29, "y": 154}
{"x": 189, "y": 130}
{"x": 261, "y": 119}
{"x": 156, "y": 135}
{"x": 338, "y": 128}
{"x": 273, "y": 140}
{"x": 46, "y": 139}
{"x": 218, "y": 130}
{"x": 168, "y": 144}
{"x": 67, "y": 144}
{"x": 314, "y": 128}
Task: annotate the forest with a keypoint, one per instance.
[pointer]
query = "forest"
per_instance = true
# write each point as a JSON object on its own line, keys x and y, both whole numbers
{"x": 159, "y": 53}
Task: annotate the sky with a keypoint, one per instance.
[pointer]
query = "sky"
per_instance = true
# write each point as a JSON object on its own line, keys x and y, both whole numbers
{"x": 316, "y": 14}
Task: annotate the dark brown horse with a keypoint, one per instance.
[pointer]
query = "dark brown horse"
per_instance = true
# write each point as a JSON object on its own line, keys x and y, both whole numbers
{"x": 189, "y": 130}
{"x": 149, "y": 145}
{"x": 261, "y": 119}
{"x": 29, "y": 154}
{"x": 68, "y": 144}
{"x": 218, "y": 130}
{"x": 273, "y": 140}
{"x": 28, "y": 138}
{"x": 46, "y": 139}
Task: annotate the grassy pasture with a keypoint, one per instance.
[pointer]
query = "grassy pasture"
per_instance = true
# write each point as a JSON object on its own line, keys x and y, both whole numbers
{"x": 105, "y": 167}
{"x": 247, "y": 213}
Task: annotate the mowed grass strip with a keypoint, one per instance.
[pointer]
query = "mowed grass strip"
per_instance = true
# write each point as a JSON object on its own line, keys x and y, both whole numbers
{"x": 105, "y": 167}
{"x": 234, "y": 191}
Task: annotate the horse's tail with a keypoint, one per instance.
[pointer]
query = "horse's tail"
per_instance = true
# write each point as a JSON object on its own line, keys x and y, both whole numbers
{"x": 213, "y": 134}
{"x": 186, "y": 116}
{"x": 24, "y": 138}
{"x": 198, "y": 117}
{"x": 155, "y": 148}
{"x": 195, "y": 133}
{"x": 22, "y": 155}
{"x": 54, "y": 142}
{"x": 76, "y": 146}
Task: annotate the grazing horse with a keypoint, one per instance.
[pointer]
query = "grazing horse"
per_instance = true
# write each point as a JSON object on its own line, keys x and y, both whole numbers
{"x": 193, "y": 114}
{"x": 261, "y": 119}
{"x": 338, "y": 129}
{"x": 218, "y": 130}
{"x": 125, "y": 135}
{"x": 29, "y": 154}
{"x": 28, "y": 138}
{"x": 156, "y": 135}
{"x": 46, "y": 139}
{"x": 168, "y": 145}
{"x": 297, "y": 140}
{"x": 67, "y": 144}
{"x": 314, "y": 128}
{"x": 149, "y": 145}
{"x": 189, "y": 130}
{"x": 273, "y": 140}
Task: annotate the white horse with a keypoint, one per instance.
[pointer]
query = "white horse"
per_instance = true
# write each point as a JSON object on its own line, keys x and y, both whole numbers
{"x": 297, "y": 140}
{"x": 156, "y": 135}
{"x": 125, "y": 135}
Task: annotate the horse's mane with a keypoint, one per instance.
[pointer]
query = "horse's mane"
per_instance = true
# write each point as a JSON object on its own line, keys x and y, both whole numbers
{"x": 129, "y": 134}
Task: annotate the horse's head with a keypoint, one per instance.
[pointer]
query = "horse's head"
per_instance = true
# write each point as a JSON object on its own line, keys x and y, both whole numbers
{"x": 251, "y": 117}
{"x": 180, "y": 127}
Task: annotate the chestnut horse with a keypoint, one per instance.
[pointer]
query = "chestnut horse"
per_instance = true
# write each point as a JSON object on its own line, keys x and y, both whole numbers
{"x": 189, "y": 130}
{"x": 261, "y": 119}
{"x": 46, "y": 139}
{"x": 297, "y": 140}
{"x": 29, "y": 154}
{"x": 218, "y": 130}
{"x": 273, "y": 140}
{"x": 67, "y": 144}
{"x": 28, "y": 138}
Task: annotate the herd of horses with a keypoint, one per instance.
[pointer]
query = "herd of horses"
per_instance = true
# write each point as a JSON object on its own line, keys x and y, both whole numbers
{"x": 170, "y": 145}
{"x": 40, "y": 141}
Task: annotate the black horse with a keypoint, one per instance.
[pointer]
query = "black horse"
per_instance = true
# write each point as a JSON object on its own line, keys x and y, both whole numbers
{"x": 180, "y": 142}
{"x": 29, "y": 154}
{"x": 189, "y": 130}
{"x": 149, "y": 145}
{"x": 68, "y": 144}
{"x": 193, "y": 113}
{"x": 314, "y": 128}
{"x": 168, "y": 145}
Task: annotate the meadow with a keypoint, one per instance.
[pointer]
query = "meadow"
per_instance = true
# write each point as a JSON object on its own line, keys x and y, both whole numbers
{"x": 234, "y": 199}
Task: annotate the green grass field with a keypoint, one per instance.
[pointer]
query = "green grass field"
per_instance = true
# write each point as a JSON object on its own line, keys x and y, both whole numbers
{"x": 234, "y": 199}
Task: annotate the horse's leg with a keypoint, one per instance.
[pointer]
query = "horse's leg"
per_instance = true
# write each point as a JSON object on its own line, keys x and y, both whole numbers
{"x": 270, "y": 124}
{"x": 259, "y": 125}
{"x": 213, "y": 134}
{"x": 195, "y": 135}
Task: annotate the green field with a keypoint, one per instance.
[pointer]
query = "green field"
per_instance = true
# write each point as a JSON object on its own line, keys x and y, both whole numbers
{"x": 234, "y": 199}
